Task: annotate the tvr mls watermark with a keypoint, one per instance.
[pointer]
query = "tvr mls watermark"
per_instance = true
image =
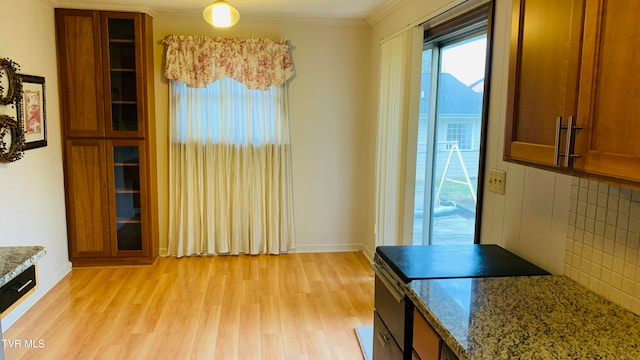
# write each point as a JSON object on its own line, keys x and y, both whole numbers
{"x": 23, "y": 343}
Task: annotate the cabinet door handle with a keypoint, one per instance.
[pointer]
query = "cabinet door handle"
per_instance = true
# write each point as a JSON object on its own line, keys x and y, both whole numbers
{"x": 383, "y": 338}
{"x": 24, "y": 286}
{"x": 571, "y": 132}
{"x": 556, "y": 152}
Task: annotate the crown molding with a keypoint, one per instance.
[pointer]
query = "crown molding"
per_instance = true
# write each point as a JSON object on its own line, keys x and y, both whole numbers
{"x": 51, "y": 3}
{"x": 160, "y": 11}
{"x": 309, "y": 20}
{"x": 383, "y": 11}
{"x": 104, "y": 6}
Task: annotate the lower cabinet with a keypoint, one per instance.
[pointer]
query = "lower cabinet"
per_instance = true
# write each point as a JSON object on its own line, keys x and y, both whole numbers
{"x": 426, "y": 343}
{"x": 400, "y": 331}
{"x": 108, "y": 202}
{"x": 393, "y": 322}
{"x": 446, "y": 353}
{"x": 391, "y": 307}
{"x": 17, "y": 289}
{"x": 87, "y": 198}
{"x": 384, "y": 344}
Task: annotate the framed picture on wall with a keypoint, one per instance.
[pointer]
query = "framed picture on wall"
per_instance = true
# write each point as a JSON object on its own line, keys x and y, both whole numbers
{"x": 31, "y": 110}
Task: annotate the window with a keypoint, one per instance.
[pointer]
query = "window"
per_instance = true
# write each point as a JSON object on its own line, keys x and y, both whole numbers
{"x": 226, "y": 112}
{"x": 449, "y": 154}
{"x": 230, "y": 187}
{"x": 460, "y": 134}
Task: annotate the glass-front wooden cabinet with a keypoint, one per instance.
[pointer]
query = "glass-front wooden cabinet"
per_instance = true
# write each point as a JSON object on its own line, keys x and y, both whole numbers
{"x": 120, "y": 32}
{"x": 129, "y": 187}
{"x": 106, "y": 76}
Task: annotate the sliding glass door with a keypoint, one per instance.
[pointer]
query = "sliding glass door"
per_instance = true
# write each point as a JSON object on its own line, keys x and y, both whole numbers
{"x": 450, "y": 127}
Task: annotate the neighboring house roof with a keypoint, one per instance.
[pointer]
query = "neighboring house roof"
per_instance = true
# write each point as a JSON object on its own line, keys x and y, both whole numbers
{"x": 454, "y": 97}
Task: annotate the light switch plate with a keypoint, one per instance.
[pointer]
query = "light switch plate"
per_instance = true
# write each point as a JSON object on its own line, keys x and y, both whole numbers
{"x": 496, "y": 181}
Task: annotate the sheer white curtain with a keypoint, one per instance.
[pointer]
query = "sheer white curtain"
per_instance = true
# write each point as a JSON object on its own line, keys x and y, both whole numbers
{"x": 230, "y": 169}
{"x": 230, "y": 185}
{"x": 399, "y": 71}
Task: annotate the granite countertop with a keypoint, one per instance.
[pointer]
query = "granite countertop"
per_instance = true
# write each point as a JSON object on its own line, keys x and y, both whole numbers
{"x": 16, "y": 259}
{"x": 536, "y": 317}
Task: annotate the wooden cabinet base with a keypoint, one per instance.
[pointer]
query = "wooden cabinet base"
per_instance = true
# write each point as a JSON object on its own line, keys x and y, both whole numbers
{"x": 110, "y": 261}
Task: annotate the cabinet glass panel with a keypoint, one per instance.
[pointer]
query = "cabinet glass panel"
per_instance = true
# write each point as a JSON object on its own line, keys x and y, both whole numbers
{"x": 121, "y": 116}
{"x": 123, "y": 87}
{"x": 122, "y": 65}
{"x": 122, "y": 55}
{"x": 126, "y": 170}
{"x": 122, "y": 29}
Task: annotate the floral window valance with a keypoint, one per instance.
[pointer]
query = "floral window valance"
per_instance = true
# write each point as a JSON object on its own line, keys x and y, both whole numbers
{"x": 200, "y": 60}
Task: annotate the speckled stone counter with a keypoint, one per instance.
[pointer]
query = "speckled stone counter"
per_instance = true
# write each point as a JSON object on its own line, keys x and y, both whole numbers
{"x": 538, "y": 317}
{"x": 15, "y": 259}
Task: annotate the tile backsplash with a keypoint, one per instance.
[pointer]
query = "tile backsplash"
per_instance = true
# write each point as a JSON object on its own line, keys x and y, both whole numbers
{"x": 603, "y": 241}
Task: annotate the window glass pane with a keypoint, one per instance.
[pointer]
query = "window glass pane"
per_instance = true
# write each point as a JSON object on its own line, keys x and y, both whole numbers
{"x": 448, "y": 151}
{"x": 460, "y": 134}
{"x": 455, "y": 172}
{"x": 423, "y": 180}
{"x": 126, "y": 171}
{"x": 226, "y": 112}
{"x": 122, "y": 67}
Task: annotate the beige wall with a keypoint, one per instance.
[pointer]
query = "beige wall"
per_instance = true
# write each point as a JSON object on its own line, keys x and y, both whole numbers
{"x": 32, "y": 207}
{"x": 329, "y": 113}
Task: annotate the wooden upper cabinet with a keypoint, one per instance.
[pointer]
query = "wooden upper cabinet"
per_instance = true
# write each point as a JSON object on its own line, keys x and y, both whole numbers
{"x": 575, "y": 60}
{"x": 543, "y": 73}
{"x": 102, "y": 61}
{"x": 80, "y": 64}
{"x": 124, "y": 80}
{"x": 608, "y": 108}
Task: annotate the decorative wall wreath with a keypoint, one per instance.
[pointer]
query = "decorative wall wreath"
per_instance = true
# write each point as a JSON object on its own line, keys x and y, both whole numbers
{"x": 14, "y": 90}
{"x": 12, "y": 129}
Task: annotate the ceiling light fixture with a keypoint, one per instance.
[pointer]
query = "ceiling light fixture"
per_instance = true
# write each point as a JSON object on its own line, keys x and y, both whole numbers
{"x": 221, "y": 14}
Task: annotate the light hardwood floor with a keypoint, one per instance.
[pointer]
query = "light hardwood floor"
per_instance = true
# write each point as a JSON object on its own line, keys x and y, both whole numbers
{"x": 294, "y": 306}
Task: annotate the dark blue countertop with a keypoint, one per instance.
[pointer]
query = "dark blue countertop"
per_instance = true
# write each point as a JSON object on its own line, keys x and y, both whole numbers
{"x": 455, "y": 261}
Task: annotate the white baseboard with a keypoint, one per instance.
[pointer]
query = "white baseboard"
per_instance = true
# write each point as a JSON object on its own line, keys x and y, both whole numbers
{"x": 162, "y": 252}
{"x": 327, "y": 248}
{"x": 336, "y": 248}
{"x": 368, "y": 253}
{"x": 317, "y": 248}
